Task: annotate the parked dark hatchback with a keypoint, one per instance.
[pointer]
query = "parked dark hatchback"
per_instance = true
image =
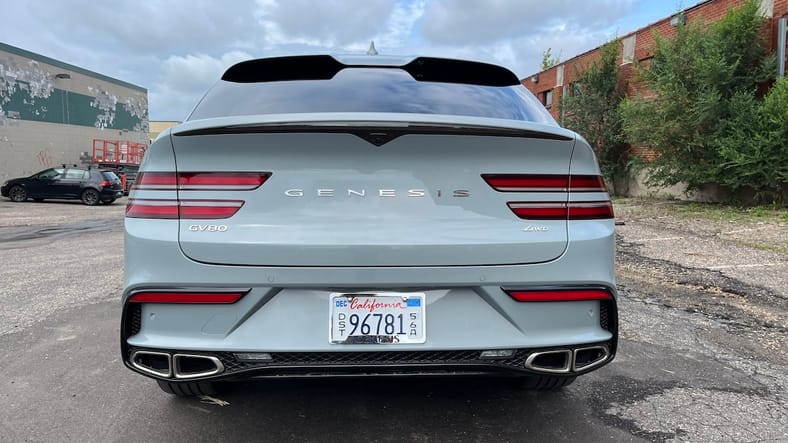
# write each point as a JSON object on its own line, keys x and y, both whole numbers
{"x": 90, "y": 185}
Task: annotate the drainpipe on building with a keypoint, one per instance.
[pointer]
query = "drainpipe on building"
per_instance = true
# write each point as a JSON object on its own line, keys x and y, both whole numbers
{"x": 782, "y": 30}
{"x": 563, "y": 102}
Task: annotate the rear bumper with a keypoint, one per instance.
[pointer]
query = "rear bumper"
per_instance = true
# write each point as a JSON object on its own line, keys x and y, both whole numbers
{"x": 286, "y": 312}
{"x": 174, "y": 365}
{"x": 107, "y": 194}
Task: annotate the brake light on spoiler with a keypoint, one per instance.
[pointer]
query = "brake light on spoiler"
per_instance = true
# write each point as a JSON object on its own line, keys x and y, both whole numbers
{"x": 196, "y": 209}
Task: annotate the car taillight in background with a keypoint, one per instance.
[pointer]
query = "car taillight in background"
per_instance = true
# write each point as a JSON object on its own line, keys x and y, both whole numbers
{"x": 553, "y": 210}
{"x": 107, "y": 183}
{"x": 200, "y": 209}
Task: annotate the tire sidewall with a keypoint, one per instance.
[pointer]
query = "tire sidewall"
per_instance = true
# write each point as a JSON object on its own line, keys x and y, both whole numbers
{"x": 90, "y": 201}
{"x": 17, "y": 188}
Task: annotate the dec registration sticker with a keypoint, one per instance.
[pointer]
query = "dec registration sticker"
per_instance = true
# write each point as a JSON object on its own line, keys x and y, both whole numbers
{"x": 379, "y": 317}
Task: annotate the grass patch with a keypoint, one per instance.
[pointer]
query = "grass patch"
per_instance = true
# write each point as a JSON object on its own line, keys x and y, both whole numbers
{"x": 763, "y": 246}
{"x": 716, "y": 211}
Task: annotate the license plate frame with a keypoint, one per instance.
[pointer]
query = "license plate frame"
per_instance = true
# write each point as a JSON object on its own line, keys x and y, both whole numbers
{"x": 403, "y": 313}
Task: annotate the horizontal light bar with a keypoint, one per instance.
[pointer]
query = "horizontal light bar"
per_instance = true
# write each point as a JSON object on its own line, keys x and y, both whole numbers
{"x": 236, "y": 181}
{"x": 187, "y": 297}
{"x": 205, "y": 181}
{"x": 545, "y": 183}
{"x": 562, "y": 210}
{"x": 184, "y": 209}
{"x": 559, "y": 295}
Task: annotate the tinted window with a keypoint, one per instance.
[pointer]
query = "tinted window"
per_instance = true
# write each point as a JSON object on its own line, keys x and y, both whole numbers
{"x": 109, "y": 175}
{"x": 50, "y": 174}
{"x": 371, "y": 90}
{"x": 76, "y": 174}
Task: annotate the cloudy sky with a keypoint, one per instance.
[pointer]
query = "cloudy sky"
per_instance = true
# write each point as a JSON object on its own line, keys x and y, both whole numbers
{"x": 178, "y": 48}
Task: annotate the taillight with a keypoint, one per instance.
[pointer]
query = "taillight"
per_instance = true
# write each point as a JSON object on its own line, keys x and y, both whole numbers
{"x": 562, "y": 210}
{"x": 236, "y": 181}
{"x": 107, "y": 183}
{"x": 553, "y": 210}
{"x": 201, "y": 181}
{"x": 138, "y": 208}
{"x": 164, "y": 181}
{"x": 186, "y": 209}
{"x": 544, "y": 295}
{"x": 545, "y": 183}
{"x": 187, "y": 297}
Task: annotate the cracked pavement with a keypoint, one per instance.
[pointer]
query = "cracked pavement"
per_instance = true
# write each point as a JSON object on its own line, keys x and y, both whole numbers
{"x": 702, "y": 356}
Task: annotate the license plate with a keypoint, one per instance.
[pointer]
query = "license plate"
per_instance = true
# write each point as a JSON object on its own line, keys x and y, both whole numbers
{"x": 380, "y": 317}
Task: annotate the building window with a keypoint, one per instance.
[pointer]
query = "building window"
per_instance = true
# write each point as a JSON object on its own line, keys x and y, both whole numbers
{"x": 628, "y": 54}
{"x": 547, "y": 98}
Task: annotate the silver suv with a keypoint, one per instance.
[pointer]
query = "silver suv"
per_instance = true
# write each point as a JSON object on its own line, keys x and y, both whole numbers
{"x": 320, "y": 215}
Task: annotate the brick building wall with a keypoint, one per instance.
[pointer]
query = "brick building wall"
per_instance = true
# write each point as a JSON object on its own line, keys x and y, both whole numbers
{"x": 551, "y": 84}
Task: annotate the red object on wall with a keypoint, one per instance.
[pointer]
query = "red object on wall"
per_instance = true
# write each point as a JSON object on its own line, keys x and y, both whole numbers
{"x": 120, "y": 152}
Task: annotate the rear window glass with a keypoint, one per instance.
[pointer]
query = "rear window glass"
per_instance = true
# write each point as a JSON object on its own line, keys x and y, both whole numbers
{"x": 76, "y": 174}
{"x": 371, "y": 90}
{"x": 109, "y": 175}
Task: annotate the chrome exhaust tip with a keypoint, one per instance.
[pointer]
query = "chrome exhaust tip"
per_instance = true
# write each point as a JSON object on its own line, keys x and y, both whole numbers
{"x": 186, "y": 366}
{"x": 152, "y": 362}
{"x": 557, "y": 362}
{"x": 589, "y": 357}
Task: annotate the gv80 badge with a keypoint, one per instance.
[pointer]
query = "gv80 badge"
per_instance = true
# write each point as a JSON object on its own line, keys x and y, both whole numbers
{"x": 208, "y": 228}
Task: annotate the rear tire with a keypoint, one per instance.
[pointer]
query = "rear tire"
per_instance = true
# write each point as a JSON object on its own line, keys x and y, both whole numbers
{"x": 17, "y": 194}
{"x": 543, "y": 382}
{"x": 90, "y": 197}
{"x": 187, "y": 389}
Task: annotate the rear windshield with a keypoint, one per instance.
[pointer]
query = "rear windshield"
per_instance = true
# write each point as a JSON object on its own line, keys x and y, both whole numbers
{"x": 109, "y": 175}
{"x": 371, "y": 90}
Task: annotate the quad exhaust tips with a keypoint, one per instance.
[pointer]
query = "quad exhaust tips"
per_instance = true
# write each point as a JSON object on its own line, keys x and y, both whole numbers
{"x": 565, "y": 361}
{"x": 179, "y": 366}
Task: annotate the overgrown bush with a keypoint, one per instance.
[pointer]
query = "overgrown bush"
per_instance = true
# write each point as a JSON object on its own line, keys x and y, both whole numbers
{"x": 701, "y": 113}
{"x": 754, "y": 151}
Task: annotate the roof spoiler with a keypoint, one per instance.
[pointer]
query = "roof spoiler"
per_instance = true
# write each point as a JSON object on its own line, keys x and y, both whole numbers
{"x": 325, "y": 67}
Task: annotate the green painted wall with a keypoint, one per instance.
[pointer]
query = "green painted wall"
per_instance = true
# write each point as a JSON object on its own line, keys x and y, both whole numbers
{"x": 67, "y": 108}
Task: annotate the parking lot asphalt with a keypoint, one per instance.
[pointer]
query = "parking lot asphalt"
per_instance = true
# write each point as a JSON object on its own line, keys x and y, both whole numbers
{"x": 703, "y": 353}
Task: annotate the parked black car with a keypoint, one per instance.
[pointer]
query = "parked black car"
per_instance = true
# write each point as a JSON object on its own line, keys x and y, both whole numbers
{"x": 91, "y": 185}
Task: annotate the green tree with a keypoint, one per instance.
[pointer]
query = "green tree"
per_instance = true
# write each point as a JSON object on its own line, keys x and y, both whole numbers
{"x": 548, "y": 61}
{"x": 592, "y": 110}
{"x": 702, "y": 84}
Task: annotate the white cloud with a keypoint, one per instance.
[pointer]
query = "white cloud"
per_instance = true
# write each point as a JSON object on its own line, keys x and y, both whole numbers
{"x": 463, "y": 22}
{"x": 327, "y": 23}
{"x": 184, "y": 79}
{"x": 178, "y": 48}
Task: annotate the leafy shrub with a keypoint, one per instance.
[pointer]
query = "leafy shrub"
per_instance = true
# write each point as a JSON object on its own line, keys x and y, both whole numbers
{"x": 701, "y": 114}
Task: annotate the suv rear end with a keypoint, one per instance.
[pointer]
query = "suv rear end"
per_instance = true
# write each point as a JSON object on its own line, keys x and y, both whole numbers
{"x": 368, "y": 215}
